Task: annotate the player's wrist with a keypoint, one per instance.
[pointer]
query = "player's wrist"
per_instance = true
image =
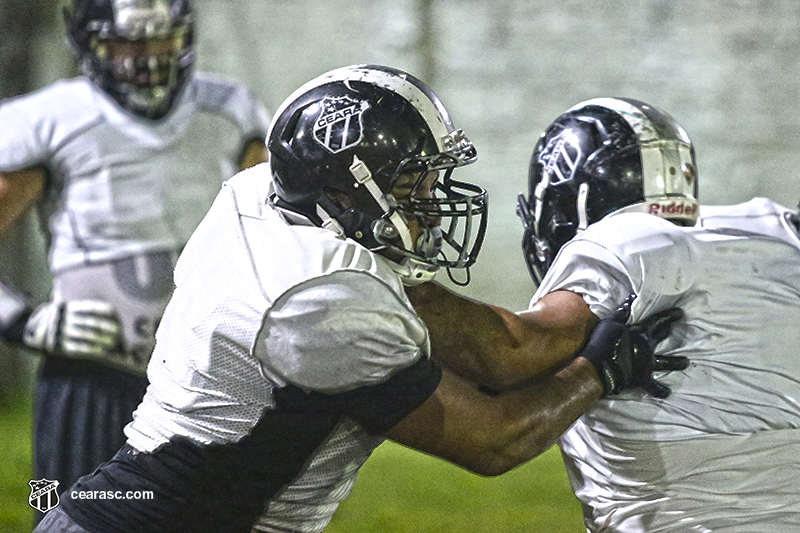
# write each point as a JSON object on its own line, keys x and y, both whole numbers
{"x": 15, "y": 310}
{"x": 606, "y": 376}
{"x": 590, "y": 373}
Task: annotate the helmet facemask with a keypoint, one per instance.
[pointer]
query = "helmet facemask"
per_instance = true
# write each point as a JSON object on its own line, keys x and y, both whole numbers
{"x": 432, "y": 218}
{"x": 139, "y": 52}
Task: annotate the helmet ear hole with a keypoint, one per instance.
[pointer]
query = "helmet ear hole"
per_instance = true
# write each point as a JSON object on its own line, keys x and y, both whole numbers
{"x": 340, "y": 199}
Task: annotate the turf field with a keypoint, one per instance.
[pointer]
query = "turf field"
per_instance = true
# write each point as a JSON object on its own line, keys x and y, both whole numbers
{"x": 398, "y": 491}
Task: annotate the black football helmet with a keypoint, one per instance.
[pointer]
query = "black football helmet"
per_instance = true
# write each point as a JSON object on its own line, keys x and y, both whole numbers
{"x": 601, "y": 156}
{"x": 350, "y": 134}
{"x": 139, "y": 51}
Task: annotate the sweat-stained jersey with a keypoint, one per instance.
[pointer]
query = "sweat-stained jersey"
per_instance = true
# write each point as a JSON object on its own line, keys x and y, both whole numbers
{"x": 282, "y": 356}
{"x": 123, "y": 194}
{"x": 721, "y": 453}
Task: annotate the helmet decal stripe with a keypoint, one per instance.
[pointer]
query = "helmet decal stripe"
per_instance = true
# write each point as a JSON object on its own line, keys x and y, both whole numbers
{"x": 425, "y": 102}
{"x": 637, "y": 118}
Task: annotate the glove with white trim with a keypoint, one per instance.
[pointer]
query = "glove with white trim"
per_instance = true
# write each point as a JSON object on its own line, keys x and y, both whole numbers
{"x": 78, "y": 328}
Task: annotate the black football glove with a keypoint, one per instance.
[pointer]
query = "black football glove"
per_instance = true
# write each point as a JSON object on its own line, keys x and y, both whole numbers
{"x": 623, "y": 355}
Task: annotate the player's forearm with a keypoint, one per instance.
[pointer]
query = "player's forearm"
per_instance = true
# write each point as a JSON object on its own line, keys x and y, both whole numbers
{"x": 490, "y": 435}
{"x": 528, "y": 421}
{"x": 535, "y": 417}
{"x": 496, "y": 347}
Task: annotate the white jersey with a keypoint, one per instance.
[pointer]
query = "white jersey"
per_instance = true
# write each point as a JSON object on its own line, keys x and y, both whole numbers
{"x": 284, "y": 353}
{"x": 119, "y": 185}
{"x": 640, "y": 463}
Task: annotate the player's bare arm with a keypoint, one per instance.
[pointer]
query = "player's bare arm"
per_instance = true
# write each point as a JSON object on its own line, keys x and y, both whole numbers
{"x": 19, "y": 190}
{"x": 253, "y": 153}
{"x": 490, "y": 435}
{"x": 498, "y": 348}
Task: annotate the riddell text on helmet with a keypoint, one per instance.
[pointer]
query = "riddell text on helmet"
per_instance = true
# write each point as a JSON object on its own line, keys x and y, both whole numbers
{"x": 672, "y": 208}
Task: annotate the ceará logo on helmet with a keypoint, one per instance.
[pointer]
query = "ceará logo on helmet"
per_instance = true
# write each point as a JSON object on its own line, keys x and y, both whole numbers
{"x": 339, "y": 125}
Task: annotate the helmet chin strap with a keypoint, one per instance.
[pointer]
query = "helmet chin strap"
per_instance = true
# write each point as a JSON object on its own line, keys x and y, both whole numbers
{"x": 583, "y": 194}
{"x": 328, "y": 222}
{"x": 363, "y": 176}
{"x": 538, "y": 193}
{"x": 411, "y": 271}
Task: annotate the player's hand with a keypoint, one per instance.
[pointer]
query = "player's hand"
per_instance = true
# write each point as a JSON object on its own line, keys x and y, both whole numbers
{"x": 624, "y": 355}
{"x": 78, "y": 328}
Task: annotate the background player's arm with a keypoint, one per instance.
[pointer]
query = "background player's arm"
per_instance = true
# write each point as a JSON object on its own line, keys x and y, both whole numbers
{"x": 19, "y": 191}
{"x": 253, "y": 153}
{"x": 498, "y": 348}
{"x": 69, "y": 328}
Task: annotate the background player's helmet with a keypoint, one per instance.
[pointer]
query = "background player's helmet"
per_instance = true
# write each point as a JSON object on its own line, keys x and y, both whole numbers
{"x": 138, "y": 51}
{"x": 601, "y": 156}
{"x": 351, "y": 133}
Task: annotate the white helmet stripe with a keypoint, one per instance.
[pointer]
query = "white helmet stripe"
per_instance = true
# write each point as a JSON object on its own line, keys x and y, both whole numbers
{"x": 426, "y": 103}
{"x": 638, "y": 120}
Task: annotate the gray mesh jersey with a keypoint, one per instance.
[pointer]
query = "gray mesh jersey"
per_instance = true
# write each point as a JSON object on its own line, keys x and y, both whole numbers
{"x": 721, "y": 453}
{"x": 283, "y": 354}
{"x": 119, "y": 185}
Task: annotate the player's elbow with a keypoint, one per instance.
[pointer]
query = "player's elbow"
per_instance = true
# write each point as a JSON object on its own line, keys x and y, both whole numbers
{"x": 497, "y": 462}
{"x": 492, "y": 466}
{"x": 506, "y": 446}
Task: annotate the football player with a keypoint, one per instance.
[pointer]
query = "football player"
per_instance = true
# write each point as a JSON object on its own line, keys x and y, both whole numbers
{"x": 121, "y": 164}
{"x": 611, "y": 210}
{"x": 290, "y": 350}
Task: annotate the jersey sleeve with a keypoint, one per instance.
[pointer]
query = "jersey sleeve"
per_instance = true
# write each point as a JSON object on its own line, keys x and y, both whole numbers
{"x": 588, "y": 269}
{"x": 348, "y": 342}
{"x": 624, "y": 254}
{"x": 235, "y": 101}
{"x": 341, "y": 331}
{"x": 36, "y": 124}
{"x": 23, "y": 136}
{"x": 376, "y": 407}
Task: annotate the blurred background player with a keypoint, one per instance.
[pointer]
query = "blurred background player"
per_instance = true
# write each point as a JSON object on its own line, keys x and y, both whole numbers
{"x": 290, "y": 351}
{"x": 611, "y": 210}
{"x": 121, "y": 164}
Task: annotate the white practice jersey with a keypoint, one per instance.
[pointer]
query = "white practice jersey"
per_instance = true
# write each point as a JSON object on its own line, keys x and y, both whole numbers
{"x": 282, "y": 356}
{"x": 725, "y": 445}
{"x": 123, "y": 193}
{"x": 119, "y": 185}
